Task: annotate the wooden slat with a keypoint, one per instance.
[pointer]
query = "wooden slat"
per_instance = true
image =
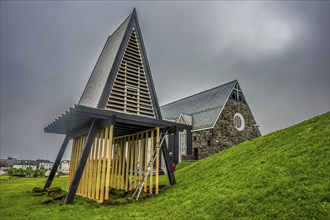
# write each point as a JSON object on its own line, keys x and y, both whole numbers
{"x": 146, "y": 149}
{"x": 157, "y": 161}
{"x": 152, "y": 165}
{"x": 91, "y": 166}
{"x": 85, "y": 173}
{"x": 131, "y": 164}
{"x": 104, "y": 159}
{"x": 141, "y": 156}
{"x": 75, "y": 157}
{"x": 128, "y": 157}
{"x": 107, "y": 187}
{"x": 112, "y": 180}
{"x": 71, "y": 163}
{"x": 123, "y": 164}
{"x": 116, "y": 164}
{"x": 95, "y": 165}
{"x": 101, "y": 143}
{"x": 136, "y": 157}
{"x": 78, "y": 158}
{"x": 131, "y": 72}
{"x": 120, "y": 152}
{"x": 87, "y": 169}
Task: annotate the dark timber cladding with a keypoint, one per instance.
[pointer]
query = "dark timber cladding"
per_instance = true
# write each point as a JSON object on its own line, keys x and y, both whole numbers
{"x": 117, "y": 126}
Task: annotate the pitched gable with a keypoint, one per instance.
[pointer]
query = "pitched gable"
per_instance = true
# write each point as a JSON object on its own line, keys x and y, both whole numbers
{"x": 121, "y": 80}
{"x": 204, "y": 107}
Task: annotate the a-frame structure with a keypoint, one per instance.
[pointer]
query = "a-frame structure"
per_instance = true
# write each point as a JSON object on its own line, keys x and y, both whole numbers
{"x": 117, "y": 125}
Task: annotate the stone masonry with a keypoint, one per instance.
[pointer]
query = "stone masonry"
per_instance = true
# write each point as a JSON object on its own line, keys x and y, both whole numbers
{"x": 224, "y": 134}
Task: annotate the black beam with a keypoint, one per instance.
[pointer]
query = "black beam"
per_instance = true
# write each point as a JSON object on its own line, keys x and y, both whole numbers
{"x": 131, "y": 119}
{"x": 176, "y": 147}
{"x": 82, "y": 162}
{"x": 189, "y": 142}
{"x": 168, "y": 164}
{"x": 57, "y": 161}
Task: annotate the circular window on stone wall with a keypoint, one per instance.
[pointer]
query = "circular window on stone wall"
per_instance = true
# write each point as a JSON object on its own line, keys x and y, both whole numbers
{"x": 239, "y": 121}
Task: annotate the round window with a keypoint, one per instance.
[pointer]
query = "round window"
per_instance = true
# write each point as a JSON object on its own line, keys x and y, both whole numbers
{"x": 239, "y": 121}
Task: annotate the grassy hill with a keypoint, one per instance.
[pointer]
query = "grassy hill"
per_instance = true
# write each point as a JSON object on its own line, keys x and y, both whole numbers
{"x": 283, "y": 175}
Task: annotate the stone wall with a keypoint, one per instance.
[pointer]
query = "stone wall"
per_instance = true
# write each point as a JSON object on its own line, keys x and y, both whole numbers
{"x": 224, "y": 134}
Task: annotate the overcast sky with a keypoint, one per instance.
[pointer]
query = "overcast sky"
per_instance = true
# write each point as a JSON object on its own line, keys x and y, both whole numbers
{"x": 278, "y": 51}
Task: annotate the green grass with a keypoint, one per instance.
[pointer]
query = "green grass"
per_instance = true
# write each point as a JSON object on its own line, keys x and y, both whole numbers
{"x": 4, "y": 176}
{"x": 283, "y": 175}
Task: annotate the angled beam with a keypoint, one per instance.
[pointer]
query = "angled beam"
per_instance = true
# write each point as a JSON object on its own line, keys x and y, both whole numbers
{"x": 57, "y": 161}
{"x": 82, "y": 162}
{"x": 168, "y": 164}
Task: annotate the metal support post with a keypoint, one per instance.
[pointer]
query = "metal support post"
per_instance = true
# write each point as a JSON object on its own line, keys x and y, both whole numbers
{"x": 168, "y": 164}
{"x": 82, "y": 162}
{"x": 57, "y": 161}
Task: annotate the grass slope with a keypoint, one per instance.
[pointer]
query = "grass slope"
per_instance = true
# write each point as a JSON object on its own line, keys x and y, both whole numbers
{"x": 283, "y": 175}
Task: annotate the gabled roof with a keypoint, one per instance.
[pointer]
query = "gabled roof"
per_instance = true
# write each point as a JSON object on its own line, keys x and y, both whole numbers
{"x": 100, "y": 83}
{"x": 204, "y": 107}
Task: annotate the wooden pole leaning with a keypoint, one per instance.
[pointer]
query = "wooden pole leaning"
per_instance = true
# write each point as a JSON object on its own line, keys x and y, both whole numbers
{"x": 57, "y": 161}
{"x": 157, "y": 159}
{"x": 87, "y": 148}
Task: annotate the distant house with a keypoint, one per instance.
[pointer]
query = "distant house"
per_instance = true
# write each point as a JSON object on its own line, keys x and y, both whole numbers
{"x": 46, "y": 164}
{"x": 47, "y": 173}
{"x": 64, "y": 166}
{"x": 23, "y": 164}
{"x": 9, "y": 161}
{"x": 221, "y": 118}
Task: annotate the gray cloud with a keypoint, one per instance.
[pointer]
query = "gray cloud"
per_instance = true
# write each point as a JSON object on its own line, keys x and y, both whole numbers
{"x": 279, "y": 52}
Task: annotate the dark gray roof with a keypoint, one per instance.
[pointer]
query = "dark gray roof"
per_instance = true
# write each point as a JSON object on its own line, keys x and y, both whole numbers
{"x": 204, "y": 107}
{"x": 96, "y": 83}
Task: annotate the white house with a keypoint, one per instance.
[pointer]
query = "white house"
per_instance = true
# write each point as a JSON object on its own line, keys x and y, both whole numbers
{"x": 46, "y": 165}
{"x": 64, "y": 166}
{"x": 23, "y": 164}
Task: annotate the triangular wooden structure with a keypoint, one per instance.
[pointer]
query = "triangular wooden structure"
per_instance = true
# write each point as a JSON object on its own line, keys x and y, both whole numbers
{"x": 121, "y": 80}
{"x": 117, "y": 124}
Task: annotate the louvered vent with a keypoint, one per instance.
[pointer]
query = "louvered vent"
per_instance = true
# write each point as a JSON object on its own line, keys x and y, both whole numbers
{"x": 130, "y": 92}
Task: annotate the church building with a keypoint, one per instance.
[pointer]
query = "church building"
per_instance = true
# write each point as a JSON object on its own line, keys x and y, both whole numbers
{"x": 220, "y": 117}
{"x": 118, "y": 130}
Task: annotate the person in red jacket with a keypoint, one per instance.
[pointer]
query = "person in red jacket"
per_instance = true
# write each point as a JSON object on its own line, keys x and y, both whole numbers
{"x": 173, "y": 167}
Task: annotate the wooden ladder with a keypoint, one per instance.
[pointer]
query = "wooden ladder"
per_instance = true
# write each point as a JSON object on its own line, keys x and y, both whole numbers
{"x": 146, "y": 173}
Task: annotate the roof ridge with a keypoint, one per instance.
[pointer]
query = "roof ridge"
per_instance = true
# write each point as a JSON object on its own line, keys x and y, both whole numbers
{"x": 199, "y": 93}
{"x": 206, "y": 110}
